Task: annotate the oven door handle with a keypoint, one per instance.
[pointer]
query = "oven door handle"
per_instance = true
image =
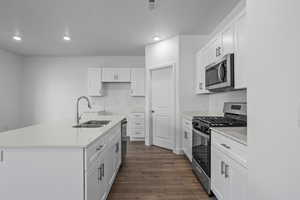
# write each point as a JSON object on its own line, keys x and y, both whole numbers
{"x": 201, "y": 134}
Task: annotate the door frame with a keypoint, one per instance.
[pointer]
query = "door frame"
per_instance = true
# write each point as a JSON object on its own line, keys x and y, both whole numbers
{"x": 149, "y": 124}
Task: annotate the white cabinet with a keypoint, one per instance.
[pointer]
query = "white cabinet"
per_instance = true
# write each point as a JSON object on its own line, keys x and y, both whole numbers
{"x": 137, "y": 82}
{"x": 237, "y": 181}
{"x": 94, "y": 82}
{"x": 240, "y": 54}
{"x": 95, "y": 182}
{"x": 228, "y": 44}
{"x": 115, "y": 74}
{"x": 200, "y": 72}
{"x": 219, "y": 182}
{"x": 232, "y": 39}
{"x": 187, "y": 138}
{"x": 136, "y": 126}
{"x": 228, "y": 168}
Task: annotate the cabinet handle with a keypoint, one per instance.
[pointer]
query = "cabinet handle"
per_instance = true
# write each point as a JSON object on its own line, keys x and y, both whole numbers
{"x": 99, "y": 174}
{"x": 226, "y": 171}
{"x": 226, "y": 146}
{"x": 102, "y": 169}
{"x": 200, "y": 86}
{"x": 117, "y": 147}
{"x": 137, "y": 123}
{"x": 222, "y": 167}
{"x": 99, "y": 148}
{"x": 185, "y": 135}
{"x": 2, "y": 156}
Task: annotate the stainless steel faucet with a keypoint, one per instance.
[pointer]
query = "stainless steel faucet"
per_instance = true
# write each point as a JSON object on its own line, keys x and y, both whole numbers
{"x": 77, "y": 104}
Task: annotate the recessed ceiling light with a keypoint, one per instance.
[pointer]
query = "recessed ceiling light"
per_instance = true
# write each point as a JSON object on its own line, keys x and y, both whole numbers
{"x": 156, "y": 38}
{"x": 17, "y": 38}
{"x": 67, "y": 38}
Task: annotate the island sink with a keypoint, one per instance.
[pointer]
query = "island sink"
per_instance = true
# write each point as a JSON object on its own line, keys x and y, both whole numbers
{"x": 92, "y": 124}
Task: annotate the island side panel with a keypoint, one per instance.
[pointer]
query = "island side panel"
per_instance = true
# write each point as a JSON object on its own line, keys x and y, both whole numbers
{"x": 42, "y": 173}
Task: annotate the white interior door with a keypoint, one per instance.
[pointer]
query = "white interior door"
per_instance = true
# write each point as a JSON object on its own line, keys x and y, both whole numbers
{"x": 162, "y": 102}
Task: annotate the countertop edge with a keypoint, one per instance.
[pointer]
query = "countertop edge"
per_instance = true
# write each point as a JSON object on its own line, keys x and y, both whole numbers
{"x": 230, "y": 137}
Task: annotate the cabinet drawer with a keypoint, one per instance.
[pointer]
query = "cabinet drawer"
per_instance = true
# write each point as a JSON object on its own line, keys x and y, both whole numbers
{"x": 232, "y": 148}
{"x": 138, "y": 133}
{"x": 137, "y": 115}
{"x": 187, "y": 123}
{"x": 113, "y": 133}
{"x": 95, "y": 149}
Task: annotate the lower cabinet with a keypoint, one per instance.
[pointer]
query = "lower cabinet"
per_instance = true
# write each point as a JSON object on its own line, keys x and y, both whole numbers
{"x": 95, "y": 182}
{"x": 187, "y": 137}
{"x": 103, "y": 168}
{"x": 136, "y": 126}
{"x": 228, "y": 175}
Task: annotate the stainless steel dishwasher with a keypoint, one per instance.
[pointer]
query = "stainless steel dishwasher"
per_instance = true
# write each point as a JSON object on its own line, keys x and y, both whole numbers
{"x": 125, "y": 139}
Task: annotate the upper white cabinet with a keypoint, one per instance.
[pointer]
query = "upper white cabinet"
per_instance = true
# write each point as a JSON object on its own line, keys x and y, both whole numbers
{"x": 200, "y": 72}
{"x": 240, "y": 58}
{"x": 95, "y": 82}
{"x": 137, "y": 82}
{"x": 230, "y": 40}
{"x": 115, "y": 74}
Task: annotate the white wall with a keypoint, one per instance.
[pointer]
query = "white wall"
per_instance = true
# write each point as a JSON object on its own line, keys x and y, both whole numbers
{"x": 273, "y": 99}
{"x": 179, "y": 50}
{"x": 52, "y": 85}
{"x": 189, "y": 101}
{"x": 10, "y": 82}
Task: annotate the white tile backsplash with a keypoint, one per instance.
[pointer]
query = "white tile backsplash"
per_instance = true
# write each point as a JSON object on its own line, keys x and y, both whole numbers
{"x": 216, "y": 101}
{"x": 117, "y": 99}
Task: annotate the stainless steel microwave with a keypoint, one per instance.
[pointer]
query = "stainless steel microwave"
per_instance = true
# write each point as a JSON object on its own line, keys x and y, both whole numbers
{"x": 220, "y": 75}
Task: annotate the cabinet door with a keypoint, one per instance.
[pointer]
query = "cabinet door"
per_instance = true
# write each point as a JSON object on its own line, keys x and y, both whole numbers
{"x": 200, "y": 72}
{"x": 215, "y": 49}
{"x": 95, "y": 183}
{"x": 189, "y": 143}
{"x": 237, "y": 181}
{"x": 218, "y": 181}
{"x": 240, "y": 56}
{"x": 228, "y": 40}
{"x": 117, "y": 154}
{"x": 116, "y": 75}
{"x": 94, "y": 82}
{"x": 109, "y": 165}
{"x": 137, "y": 82}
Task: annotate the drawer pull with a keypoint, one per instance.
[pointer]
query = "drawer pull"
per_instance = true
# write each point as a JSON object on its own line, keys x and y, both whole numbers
{"x": 99, "y": 148}
{"x": 226, "y": 171}
{"x": 226, "y": 146}
{"x": 222, "y": 167}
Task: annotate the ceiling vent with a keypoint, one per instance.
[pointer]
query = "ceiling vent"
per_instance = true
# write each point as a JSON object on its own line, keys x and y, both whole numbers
{"x": 152, "y": 4}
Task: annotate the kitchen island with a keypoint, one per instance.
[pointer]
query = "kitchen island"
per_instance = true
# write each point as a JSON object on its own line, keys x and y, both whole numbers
{"x": 56, "y": 161}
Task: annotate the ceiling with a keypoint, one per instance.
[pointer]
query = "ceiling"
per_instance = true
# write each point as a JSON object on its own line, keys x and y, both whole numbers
{"x": 102, "y": 27}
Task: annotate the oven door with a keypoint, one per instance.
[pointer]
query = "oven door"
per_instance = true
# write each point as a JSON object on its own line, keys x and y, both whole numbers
{"x": 201, "y": 150}
{"x": 220, "y": 75}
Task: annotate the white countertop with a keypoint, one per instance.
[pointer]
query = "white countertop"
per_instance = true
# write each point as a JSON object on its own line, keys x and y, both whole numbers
{"x": 56, "y": 134}
{"x": 190, "y": 114}
{"x": 238, "y": 134}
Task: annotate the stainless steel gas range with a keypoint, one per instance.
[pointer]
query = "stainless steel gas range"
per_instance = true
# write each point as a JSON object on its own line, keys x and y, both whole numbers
{"x": 235, "y": 115}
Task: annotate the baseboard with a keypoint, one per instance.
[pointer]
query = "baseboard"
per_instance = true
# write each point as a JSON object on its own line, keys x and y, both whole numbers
{"x": 178, "y": 151}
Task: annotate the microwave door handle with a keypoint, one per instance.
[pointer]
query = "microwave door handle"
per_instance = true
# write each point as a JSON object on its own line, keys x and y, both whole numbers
{"x": 219, "y": 70}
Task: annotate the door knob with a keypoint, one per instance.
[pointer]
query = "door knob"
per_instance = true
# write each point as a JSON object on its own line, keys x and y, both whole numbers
{"x": 152, "y": 111}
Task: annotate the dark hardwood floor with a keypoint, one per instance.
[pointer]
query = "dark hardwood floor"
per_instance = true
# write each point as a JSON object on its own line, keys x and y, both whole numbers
{"x": 153, "y": 173}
